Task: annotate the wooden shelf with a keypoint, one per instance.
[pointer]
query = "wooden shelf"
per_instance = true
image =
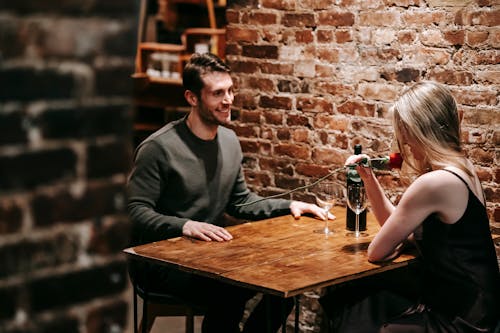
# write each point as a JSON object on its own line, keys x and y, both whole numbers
{"x": 158, "y": 92}
{"x": 162, "y": 89}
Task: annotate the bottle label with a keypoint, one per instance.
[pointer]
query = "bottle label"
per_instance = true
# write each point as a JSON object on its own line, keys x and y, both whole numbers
{"x": 353, "y": 175}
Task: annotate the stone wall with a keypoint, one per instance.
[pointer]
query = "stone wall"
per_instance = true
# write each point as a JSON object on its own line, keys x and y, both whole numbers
{"x": 315, "y": 77}
{"x": 65, "y": 150}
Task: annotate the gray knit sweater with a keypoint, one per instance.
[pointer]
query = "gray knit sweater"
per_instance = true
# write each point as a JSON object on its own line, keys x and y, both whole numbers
{"x": 179, "y": 177}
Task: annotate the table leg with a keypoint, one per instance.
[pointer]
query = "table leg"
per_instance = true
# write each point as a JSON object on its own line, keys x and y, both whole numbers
{"x": 268, "y": 315}
{"x": 284, "y": 315}
{"x": 297, "y": 313}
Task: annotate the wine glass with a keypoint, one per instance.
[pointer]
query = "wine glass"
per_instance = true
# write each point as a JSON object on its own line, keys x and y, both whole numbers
{"x": 356, "y": 199}
{"x": 326, "y": 192}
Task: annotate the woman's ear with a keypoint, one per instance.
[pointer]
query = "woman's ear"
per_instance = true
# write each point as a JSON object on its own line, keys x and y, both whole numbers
{"x": 191, "y": 98}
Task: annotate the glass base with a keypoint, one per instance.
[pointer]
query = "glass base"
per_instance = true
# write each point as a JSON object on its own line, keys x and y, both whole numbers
{"x": 324, "y": 231}
{"x": 358, "y": 234}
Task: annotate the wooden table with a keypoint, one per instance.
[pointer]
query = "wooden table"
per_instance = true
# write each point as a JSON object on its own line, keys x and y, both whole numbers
{"x": 279, "y": 256}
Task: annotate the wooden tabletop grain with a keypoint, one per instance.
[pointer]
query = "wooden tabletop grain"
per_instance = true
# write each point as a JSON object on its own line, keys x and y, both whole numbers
{"x": 280, "y": 256}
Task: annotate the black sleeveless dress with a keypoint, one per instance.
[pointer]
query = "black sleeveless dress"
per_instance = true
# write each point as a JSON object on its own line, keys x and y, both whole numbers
{"x": 459, "y": 284}
{"x": 461, "y": 275}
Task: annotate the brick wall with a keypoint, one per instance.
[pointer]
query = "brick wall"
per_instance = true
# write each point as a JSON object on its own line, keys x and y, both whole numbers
{"x": 315, "y": 77}
{"x": 65, "y": 147}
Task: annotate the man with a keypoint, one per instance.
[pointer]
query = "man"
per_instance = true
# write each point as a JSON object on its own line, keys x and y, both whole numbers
{"x": 186, "y": 176}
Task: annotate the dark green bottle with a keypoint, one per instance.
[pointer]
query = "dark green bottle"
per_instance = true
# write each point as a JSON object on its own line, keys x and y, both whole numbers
{"x": 354, "y": 178}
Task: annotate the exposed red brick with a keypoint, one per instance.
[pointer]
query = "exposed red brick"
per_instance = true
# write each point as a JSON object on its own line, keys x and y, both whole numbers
{"x": 327, "y": 71}
{"x": 304, "y": 36}
{"x": 403, "y": 3}
{"x": 276, "y": 68}
{"x": 311, "y": 170}
{"x": 382, "y": 92}
{"x": 476, "y": 38}
{"x": 475, "y": 135}
{"x": 343, "y": 36}
{"x": 357, "y": 108}
{"x": 250, "y": 116}
{"x": 328, "y": 54}
{"x": 481, "y": 156}
{"x": 484, "y": 174}
{"x": 283, "y": 134}
{"x": 232, "y": 16}
{"x": 276, "y": 165}
{"x": 256, "y": 178}
{"x": 246, "y": 100}
{"x": 279, "y": 4}
{"x": 233, "y": 48}
{"x": 11, "y": 217}
{"x": 496, "y": 214}
{"x": 331, "y": 122}
{"x": 455, "y": 37}
{"x": 416, "y": 18}
{"x": 276, "y": 102}
{"x": 336, "y": 18}
{"x": 297, "y": 120}
{"x": 381, "y": 18}
{"x": 274, "y": 118}
{"x": 336, "y": 89}
{"x": 300, "y": 152}
{"x": 242, "y": 35}
{"x": 406, "y": 37}
{"x": 261, "y": 84}
{"x": 259, "y": 18}
{"x": 243, "y": 66}
{"x": 298, "y": 20}
{"x": 246, "y": 131}
{"x": 490, "y": 18}
{"x": 300, "y": 135}
{"x": 316, "y": 4}
{"x": 328, "y": 156}
{"x": 476, "y": 98}
{"x": 256, "y": 147}
{"x": 260, "y": 51}
{"x": 324, "y": 36}
{"x": 452, "y": 77}
{"x": 288, "y": 182}
{"x": 314, "y": 104}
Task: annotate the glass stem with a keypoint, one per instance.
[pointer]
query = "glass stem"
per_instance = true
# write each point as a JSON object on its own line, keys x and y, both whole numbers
{"x": 356, "y": 232}
{"x": 326, "y": 221}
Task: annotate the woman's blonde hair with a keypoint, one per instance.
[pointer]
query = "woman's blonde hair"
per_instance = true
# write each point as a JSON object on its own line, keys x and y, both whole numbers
{"x": 426, "y": 113}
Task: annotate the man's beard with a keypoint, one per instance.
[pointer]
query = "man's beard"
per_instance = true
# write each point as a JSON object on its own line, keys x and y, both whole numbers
{"x": 210, "y": 119}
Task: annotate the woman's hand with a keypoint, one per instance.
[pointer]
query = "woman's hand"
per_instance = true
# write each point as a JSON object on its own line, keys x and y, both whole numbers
{"x": 360, "y": 162}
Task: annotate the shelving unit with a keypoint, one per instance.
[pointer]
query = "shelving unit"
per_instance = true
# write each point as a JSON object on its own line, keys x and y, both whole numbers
{"x": 158, "y": 91}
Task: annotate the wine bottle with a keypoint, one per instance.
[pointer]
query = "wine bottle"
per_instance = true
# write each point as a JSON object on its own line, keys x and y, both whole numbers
{"x": 354, "y": 178}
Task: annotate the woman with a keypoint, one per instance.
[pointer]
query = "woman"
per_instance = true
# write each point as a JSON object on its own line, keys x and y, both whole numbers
{"x": 443, "y": 212}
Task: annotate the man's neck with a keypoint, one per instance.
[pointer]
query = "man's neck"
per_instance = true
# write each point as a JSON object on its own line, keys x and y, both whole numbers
{"x": 199, "y": 128}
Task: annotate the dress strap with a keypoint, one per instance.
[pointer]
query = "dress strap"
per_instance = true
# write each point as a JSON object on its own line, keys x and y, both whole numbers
{"x": 456, "y": 174}
{"x": 466, "y": 184}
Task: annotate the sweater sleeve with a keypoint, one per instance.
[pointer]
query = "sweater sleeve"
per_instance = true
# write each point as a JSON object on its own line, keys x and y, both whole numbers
{"x": 144, "y": 190}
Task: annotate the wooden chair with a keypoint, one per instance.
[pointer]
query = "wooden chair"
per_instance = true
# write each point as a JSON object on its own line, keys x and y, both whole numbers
{"x": 161, "y": 305}
{"x": 154, "y": 303}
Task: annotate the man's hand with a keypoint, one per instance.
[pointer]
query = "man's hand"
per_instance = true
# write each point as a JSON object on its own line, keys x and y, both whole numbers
{"x": 297, "y": 208}
{"x": 205, "y": 231}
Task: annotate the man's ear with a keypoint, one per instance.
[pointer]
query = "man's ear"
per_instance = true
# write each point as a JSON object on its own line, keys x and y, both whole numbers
{"x": 191, "y": 98}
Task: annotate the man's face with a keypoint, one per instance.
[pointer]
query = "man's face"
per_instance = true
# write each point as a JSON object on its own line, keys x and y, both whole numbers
{"x": 216, "y": 98}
